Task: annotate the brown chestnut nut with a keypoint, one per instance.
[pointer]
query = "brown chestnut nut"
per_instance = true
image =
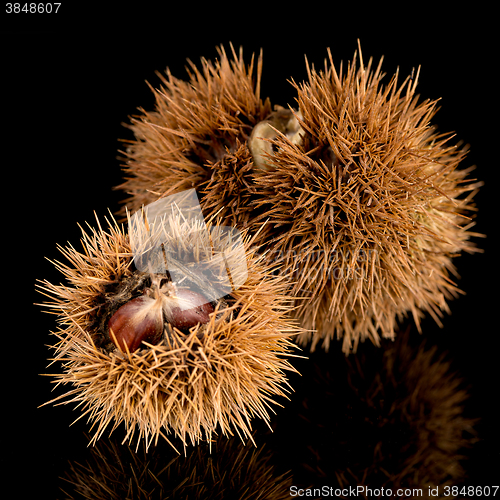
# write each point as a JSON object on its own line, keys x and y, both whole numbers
{"x": 138, "y": 320}
{"x": 192, "y": 309}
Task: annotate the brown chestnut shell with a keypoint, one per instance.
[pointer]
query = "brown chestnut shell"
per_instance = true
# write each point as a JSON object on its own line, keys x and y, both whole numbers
{"x": 130, "y": 326}
{"x": 184, "y": 319}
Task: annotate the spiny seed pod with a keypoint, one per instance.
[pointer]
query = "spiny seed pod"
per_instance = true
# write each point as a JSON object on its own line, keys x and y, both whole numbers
{"x": 369, "y": 209}
{"x": 169, "y": 370}
{"x": 197, "y": 137}
{"x": 359, "y": 198}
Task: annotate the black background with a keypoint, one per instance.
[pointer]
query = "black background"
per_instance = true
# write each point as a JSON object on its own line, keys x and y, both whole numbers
{"x": 70, "y": 80}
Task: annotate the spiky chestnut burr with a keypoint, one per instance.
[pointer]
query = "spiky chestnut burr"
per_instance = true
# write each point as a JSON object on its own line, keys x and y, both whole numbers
{"x": 356, "y": 193}
{"x": 197, "y": 137}
{"x": 368, "y": 210}
{"x": 211, "y": 378}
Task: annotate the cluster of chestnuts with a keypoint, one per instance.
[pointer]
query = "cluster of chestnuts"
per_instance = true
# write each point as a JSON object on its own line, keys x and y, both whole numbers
{"x": 355, "y": 179}
{"x": 161, "y": 306}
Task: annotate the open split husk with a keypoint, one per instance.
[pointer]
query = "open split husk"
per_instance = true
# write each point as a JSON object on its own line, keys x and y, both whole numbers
{"x": 213, "y": 379}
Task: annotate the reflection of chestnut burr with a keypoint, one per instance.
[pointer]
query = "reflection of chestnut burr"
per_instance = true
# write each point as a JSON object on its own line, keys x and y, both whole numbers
{"x": 142, "y": 319}
{"x": 222, "y": 469}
